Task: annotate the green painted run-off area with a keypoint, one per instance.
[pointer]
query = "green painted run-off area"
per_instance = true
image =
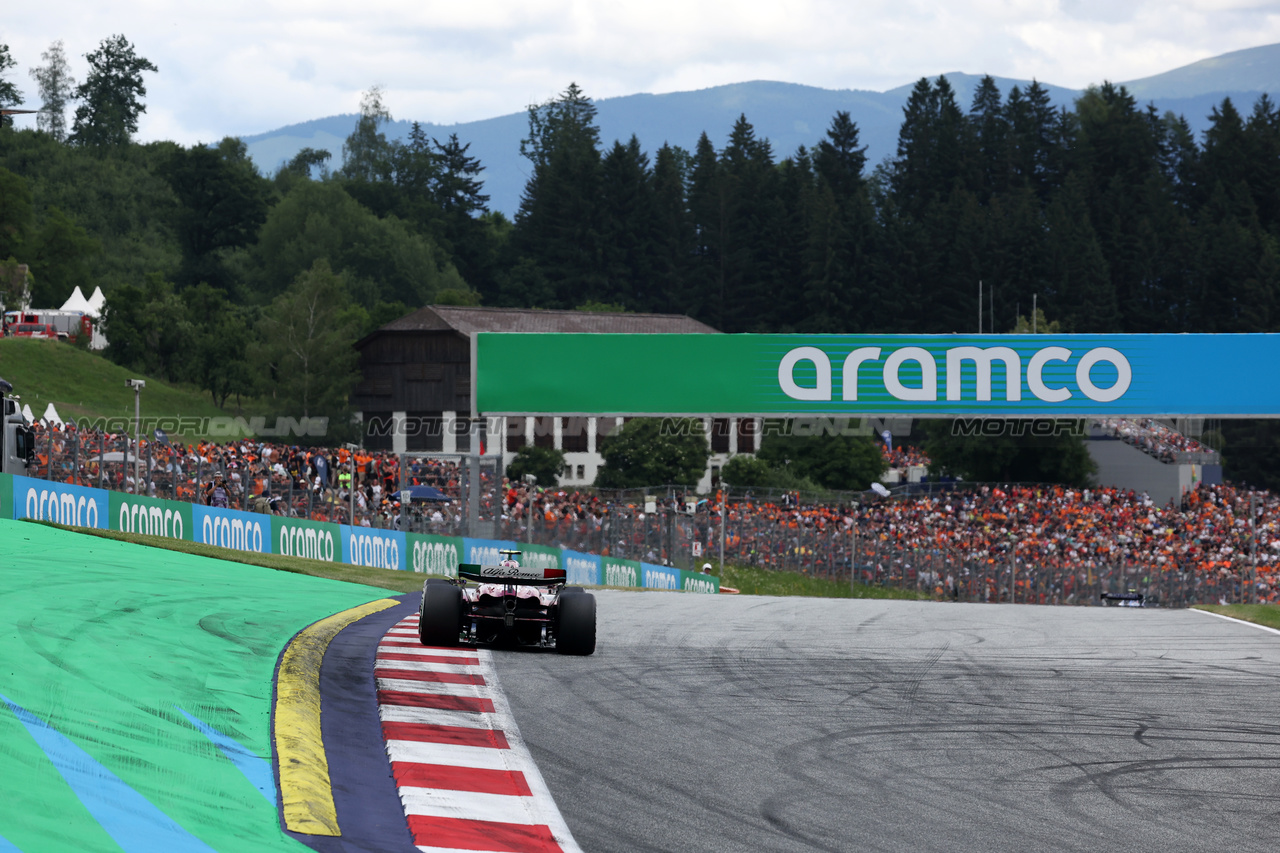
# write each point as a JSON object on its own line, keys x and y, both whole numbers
{"x": 103, "y": 642}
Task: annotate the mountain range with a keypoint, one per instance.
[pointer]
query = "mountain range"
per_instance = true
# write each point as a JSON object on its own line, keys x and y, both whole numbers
{"x": 787, "y": 114}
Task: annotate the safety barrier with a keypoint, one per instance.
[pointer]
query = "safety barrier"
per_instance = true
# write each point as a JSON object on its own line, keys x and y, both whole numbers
{"x": 80, "y": 506}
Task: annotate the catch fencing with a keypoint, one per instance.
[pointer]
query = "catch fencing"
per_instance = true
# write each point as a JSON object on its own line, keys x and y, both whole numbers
{"x": 838, "y": 536}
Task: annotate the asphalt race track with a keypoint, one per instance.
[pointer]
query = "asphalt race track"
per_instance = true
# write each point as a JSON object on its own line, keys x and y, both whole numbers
{"x": 747, "y": 723}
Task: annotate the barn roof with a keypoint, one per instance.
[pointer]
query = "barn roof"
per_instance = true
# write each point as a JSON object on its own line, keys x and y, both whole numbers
{"x": 468, "y": 319}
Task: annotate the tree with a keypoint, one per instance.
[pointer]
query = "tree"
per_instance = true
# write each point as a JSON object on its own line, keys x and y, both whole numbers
{"x": 557, "y": 224}
{"x": 9, "y": 94}
{"x": 15, "y": 213}
{"x": 111, "y": 96}
{"x": 456, "y": 190}
{"x": 935, "y": 148}
{"x": 309, "y": 163}
{"x": 458, "y": 184}
{"x": 839, "y": 160}
{"x": 1082, "y": 290}
{"x": 673, "y": 235}
{"x": 747, "y": 472}
{"x": 224, "y": 333}
{"x": 1024, "y": 452}
{"x": 149, "y": 329}
{"x": 544, "y": 463}
{"x": 654, "y": 452}
{"x": 751, "y": 226}
{"x": 56, "y": 86}
{"x": 832, "y": 461}
{"x": 61, "y": 254}
{"x": 626, "y": 223}
{"x": 367, "y": 155}
{"x": 305, "y": 345}
{"x": 990, "y": 123}
{"x": 224, "y": 203}
{"x": 381, "y": 259}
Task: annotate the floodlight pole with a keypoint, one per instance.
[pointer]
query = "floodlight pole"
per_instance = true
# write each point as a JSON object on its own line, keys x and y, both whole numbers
{"x": 530, "y": 482}
{"x": 853, "y": 551}
{"x": 137, "y": 385}
{"x": 137, "y": 435}
{"x": 724, "y": 522}
{"x": 1253, "y": 530}
{"x": 473, "y": 481}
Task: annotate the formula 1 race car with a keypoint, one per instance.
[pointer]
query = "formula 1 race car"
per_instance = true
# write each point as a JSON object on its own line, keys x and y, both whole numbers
{"x": 1132, "y": 598}
{"x": 509, "y": 605}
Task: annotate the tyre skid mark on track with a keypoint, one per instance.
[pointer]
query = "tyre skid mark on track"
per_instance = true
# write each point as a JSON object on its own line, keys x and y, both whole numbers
{"x": 465, "y": 777}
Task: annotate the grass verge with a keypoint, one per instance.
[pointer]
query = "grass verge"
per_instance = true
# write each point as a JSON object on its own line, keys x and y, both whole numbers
{"x": 1262, "y": 614}
{"x": 754, "y": 581}
{"x": 83, "y": 384}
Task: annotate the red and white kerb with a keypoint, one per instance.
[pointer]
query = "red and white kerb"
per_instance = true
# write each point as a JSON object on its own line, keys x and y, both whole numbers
{"x": 465, "y": 777}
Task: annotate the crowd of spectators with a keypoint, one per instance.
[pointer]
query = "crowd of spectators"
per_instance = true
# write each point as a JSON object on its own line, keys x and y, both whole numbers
{"x": 304, "y": 482}
{"x": 1056, "y": 539}
{"x": 1157, "y": 439}
{"x": 904, "y": 457}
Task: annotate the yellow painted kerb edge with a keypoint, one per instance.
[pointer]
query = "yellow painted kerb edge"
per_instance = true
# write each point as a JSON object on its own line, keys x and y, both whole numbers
{"x": 306, "y": 792}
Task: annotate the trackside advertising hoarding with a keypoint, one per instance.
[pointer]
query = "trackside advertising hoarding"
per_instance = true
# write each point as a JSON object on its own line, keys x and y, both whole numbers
{"x": 660, "y": 577}
{"x": 61, "y": 503}
{"x": 615, "y": 571}
{"x": 698, "y": 582}
{"x": 908, "y": 375}
{"x": 140, "y": 514}
{"x": 434, "y": 555}
{"x": 367, "y": 546}
{"x": 25, "y": 497}
{"x": 581, "y": 568}
{"x": 540, "y": 556}
{"x": 294, "y": 537}
{"x": 231, "y": 528}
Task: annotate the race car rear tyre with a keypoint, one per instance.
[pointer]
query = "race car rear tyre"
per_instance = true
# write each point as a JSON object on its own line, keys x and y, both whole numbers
{"x": 577, "y": 631}
{"x": 570, "y": 589}
{"x": 440, "y": 619}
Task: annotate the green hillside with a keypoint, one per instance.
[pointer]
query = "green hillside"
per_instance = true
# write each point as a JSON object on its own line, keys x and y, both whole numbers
{"x": 82, "y": 384}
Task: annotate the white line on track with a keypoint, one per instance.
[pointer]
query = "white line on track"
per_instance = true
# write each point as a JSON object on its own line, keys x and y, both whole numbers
{"x": 1237, "y": 621}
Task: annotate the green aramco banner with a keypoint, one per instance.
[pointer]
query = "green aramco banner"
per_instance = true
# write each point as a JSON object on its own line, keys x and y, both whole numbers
{"x": 921, "y": 375}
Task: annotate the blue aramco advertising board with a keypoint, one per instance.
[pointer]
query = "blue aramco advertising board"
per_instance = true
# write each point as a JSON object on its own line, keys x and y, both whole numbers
{"x": 368, "y": 546}
{"x": 581, "y": 568}
{"x": 909, "y": 375}
{"x": 231, "y": 528}
{"x": 76, "y": 506}
{"x": 79, "y": 506}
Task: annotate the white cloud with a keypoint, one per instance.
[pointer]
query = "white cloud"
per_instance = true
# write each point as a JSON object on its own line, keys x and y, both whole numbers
{"x": 246, "y": 67}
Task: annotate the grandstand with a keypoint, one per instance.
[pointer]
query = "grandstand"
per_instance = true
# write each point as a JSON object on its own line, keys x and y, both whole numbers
{"x": 1147, "y": 455}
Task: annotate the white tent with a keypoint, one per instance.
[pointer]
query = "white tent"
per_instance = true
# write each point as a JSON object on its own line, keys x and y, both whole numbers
{"x": 96, "y": 303}
{"x": 26, "y": 413}
{"x": 77, "y": 302}
{"x": 51, "y": 416}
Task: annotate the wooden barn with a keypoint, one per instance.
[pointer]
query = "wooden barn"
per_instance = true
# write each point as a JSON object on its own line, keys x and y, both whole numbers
{"x": 415, "y": 389}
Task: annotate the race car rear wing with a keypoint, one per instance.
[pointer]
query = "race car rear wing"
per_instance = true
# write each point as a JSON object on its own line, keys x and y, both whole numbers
{"x": 511, "y": 574}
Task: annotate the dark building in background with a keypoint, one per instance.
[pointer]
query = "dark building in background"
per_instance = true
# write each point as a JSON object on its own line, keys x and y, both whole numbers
{"x": 415, "y": 390}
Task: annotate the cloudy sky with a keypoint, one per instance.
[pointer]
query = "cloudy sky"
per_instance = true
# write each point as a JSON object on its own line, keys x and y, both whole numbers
{"x": 239, "y": 67}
